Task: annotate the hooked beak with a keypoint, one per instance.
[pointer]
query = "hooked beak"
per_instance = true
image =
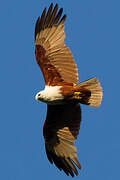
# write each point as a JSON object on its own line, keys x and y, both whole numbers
{"x": 36, "y": 97}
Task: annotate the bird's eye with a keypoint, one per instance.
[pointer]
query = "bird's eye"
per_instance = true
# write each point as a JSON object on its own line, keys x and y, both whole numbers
{"x": 38, "y": 94}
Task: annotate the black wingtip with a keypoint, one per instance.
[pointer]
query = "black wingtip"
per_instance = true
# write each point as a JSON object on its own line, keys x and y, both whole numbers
{"x": 63, "y": 19}
{"x": 49, "y": 18}
{"x": 37, "y": 27}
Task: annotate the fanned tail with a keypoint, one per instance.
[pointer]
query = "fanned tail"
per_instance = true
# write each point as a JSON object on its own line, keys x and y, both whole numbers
{"x": 92, "y": 92}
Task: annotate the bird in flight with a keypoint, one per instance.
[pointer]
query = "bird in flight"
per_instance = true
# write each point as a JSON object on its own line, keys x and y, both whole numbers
{"x": 62, "y": 94}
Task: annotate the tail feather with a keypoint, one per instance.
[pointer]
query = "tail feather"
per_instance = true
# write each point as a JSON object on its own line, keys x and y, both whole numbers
{"x": 94, "y": 87}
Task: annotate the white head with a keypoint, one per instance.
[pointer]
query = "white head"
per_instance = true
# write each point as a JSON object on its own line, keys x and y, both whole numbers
{"x": 39, "y": 96}
{"x": 49, "y": 94}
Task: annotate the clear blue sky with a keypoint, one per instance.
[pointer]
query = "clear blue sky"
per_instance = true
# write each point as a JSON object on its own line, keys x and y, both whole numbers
{"x": 93, "y": 35}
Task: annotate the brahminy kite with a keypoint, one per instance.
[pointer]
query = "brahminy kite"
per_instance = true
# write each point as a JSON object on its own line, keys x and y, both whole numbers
{"x": 62, "y": 94}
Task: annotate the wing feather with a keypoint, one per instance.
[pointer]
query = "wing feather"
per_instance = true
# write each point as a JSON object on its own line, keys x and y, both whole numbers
{"x": 51, "y": 22}
{"x": 60, "y": 131}
{"x": 52, "y": 55}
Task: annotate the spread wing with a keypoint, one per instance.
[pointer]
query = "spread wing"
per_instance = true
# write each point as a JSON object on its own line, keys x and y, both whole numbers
{"x": 53, "y": 56}
{"x": 60, "y": 131}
